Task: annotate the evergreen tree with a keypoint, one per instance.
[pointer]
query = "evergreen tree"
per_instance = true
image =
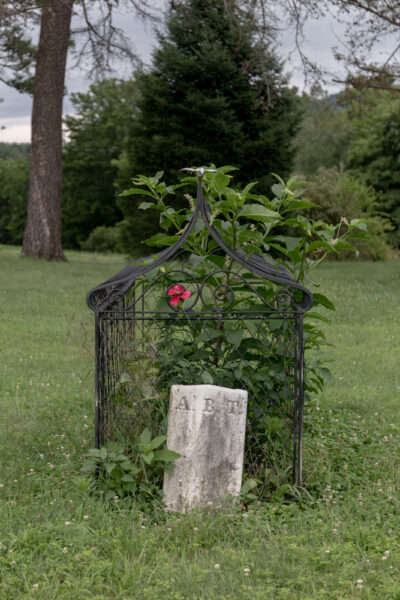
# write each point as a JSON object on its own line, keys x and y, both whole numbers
{"x": 215, "y": 94}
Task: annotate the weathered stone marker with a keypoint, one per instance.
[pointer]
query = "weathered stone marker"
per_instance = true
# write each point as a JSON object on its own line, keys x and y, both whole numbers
{"x": 206, "y": 425}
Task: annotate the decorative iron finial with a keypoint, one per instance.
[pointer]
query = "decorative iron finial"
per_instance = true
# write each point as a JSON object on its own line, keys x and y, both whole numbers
{"x": 200, "y": 171}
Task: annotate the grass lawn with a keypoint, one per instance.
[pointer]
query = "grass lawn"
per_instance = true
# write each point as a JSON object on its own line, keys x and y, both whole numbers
{"x": 58, "y": 542}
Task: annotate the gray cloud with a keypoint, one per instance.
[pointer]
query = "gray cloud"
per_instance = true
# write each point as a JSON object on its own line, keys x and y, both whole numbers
{"x": 320, "y": 37}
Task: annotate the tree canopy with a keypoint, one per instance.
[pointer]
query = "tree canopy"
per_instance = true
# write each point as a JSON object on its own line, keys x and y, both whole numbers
{"x": 97, "y": 133}
{"x": 214, "y": 94}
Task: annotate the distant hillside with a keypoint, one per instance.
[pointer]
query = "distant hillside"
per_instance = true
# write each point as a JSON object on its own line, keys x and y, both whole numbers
{"x": 10, "y": 151}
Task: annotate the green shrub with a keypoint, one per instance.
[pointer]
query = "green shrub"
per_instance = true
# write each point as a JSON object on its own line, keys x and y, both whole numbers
{"x": 340, "y": 195}
{"x": 14, "y": 180}
{"x": 103, "y": 239}
{"x": 139, "y": 473}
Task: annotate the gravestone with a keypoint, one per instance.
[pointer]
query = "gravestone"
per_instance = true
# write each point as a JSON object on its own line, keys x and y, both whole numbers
{"x": 206, "y": 425}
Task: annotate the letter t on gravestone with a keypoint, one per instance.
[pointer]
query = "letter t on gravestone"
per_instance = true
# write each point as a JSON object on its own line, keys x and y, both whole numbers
{"x": 206, "y": 425}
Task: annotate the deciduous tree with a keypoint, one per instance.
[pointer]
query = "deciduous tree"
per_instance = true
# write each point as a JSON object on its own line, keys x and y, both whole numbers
{"x": 41, "y": 70}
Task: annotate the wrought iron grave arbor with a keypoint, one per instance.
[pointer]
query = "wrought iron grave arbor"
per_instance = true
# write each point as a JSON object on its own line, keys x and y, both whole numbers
{"x": 239, "y": 324}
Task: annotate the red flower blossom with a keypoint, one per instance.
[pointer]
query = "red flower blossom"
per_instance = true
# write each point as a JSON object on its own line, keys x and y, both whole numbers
{"x": 178, "y": 292}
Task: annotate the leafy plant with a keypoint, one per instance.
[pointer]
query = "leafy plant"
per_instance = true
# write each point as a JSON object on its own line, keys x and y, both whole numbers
{"x": 137, "y": 472}
{"x": 257, "y": 356}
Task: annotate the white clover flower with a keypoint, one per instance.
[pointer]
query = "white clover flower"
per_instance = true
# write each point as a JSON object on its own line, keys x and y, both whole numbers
{"x": 35, "y": 587}
{"x": 64, "y": 550}
{"x": 85, "y": 517}
{"x": 217, "y": 566}
{"x": 246, "y": 571}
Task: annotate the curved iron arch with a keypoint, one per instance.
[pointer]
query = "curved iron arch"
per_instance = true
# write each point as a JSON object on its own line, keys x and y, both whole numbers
{"x": 104, "y": 295}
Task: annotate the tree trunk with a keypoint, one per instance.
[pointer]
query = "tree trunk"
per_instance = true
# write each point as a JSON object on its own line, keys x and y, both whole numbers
{"x": 42, "y": 236}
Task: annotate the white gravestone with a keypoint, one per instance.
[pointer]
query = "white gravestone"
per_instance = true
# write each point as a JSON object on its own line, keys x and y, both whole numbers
{"x": 206, "y": 425}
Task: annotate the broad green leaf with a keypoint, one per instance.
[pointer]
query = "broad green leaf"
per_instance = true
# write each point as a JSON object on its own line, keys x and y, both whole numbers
{"x": 343, "y": 245}
{"x": 247, "y": 235}
{"x": 137, "y": 191}
{"x": 129, "y": 466}
{"x": 208, "y": 334}
{"x": 127, "y": 478}
{"x": 290, "y": 242}
{"x": 235, "y": 337}
{"x": 148, "y": 458}
{"x": 278, "y": 189}
{"x": 161, "y": 239}
{"x": 125, "y": 378}
{"x": 206, "y": 377}
{"x": 323, "y": 301}
{"x": 312, "y": 315}
{"x": 156, "y": 177}
{"x": 225, "y": 169}
{"x": 297, "y": 204}
{"x": 248, "y": 188}
{"x": 146, "y": 205}
{"x": 145, "y": 437}
{"x": 359, "y": 223}
{"x": 279, "y": 247}
{"x": 320, "y": 244}
{"x": 357, "y": 235}
{"x": 221, "y": 181}
{"x": 157, "y": 441}
{"x": 248, "y": 485}
{"x": 109, "y": 467}
{"x": 166, "y": 455}
{"x": 258, "y": 212}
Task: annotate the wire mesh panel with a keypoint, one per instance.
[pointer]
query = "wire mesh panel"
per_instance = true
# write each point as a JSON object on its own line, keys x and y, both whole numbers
{"x": 228, "y": 329}
{"x": 227, "y": 319}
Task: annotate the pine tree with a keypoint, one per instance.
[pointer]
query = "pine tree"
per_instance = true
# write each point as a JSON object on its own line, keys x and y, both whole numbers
{"x": 215, "y": 94}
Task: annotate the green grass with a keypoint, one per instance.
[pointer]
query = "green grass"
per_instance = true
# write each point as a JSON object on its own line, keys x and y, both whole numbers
{"x": 70, "y": 545}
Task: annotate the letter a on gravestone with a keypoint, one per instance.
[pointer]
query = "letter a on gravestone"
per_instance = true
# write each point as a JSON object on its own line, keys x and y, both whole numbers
{"x": 206, "y": 425}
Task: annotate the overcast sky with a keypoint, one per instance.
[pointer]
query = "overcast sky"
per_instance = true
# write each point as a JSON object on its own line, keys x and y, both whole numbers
{"x": 15, "y": 110}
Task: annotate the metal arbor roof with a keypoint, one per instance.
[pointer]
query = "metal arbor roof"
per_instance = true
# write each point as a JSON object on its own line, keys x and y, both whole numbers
{"x": 103, "y": 296}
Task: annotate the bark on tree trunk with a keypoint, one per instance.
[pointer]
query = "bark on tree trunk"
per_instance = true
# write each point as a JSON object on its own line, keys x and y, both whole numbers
{"x": 42, "y": 236}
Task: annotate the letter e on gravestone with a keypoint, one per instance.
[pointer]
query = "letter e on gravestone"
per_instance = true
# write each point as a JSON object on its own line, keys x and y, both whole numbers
{"x": 206, "y": 425}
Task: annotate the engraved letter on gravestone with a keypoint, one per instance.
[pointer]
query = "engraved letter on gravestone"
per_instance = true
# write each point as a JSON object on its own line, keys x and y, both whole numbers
{"x": 206, "y": 425}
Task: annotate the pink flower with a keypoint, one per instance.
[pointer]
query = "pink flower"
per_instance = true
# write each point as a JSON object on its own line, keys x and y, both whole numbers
{"x": 178, "y": 292}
